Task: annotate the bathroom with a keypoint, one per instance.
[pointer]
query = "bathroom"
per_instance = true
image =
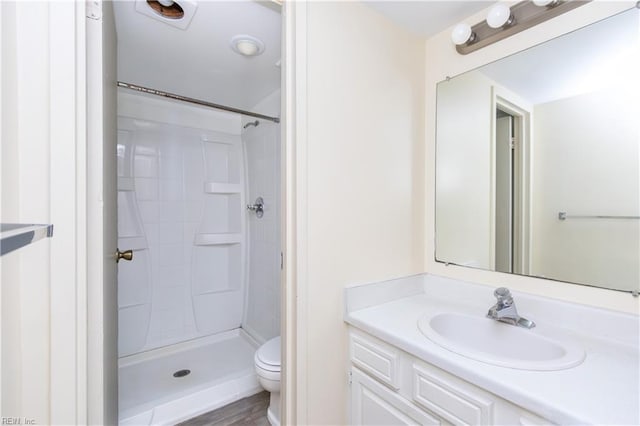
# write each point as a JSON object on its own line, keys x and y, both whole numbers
{"x": 360, "y": 150}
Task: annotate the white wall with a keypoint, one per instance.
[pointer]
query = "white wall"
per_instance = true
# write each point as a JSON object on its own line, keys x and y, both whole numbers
{"x": 587, "y": 163}
{"x": 11, "y": 363}
{"x": 443, "y": 61}
{"x": 270, "y": 106}
{"x": 359, "y": 181}
{"x": 42, "y": 138}
{"x": 262, "y": 149}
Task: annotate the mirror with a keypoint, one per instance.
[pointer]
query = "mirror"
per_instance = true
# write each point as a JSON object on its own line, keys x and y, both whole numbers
{"x": 537, "y": 160}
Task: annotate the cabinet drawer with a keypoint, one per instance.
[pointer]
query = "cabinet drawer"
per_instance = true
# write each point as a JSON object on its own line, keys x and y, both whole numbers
{"x": 457, "y": 404}
{"x": 375, "y": 404}
{"x": 376, "y": 358}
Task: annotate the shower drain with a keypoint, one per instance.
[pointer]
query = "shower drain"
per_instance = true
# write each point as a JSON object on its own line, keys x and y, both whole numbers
{"x": 181, "y": 373}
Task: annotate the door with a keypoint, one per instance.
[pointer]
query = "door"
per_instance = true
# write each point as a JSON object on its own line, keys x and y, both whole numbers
{"x": 504, "y": 193}
{"x": 102, "y": 386}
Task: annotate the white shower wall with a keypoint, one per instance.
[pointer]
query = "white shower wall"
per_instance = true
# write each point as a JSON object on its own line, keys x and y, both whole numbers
{"x": 262, "y": 150}
{"x": 181, "y": 209}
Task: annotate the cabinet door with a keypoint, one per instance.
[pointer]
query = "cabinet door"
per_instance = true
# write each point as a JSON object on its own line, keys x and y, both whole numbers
{"x": 374, "y": 404}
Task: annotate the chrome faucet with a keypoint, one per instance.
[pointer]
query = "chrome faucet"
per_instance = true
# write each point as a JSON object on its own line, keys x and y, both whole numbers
{"x": 505, "y": 310}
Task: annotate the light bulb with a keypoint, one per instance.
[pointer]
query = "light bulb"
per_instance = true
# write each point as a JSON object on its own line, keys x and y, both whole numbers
{"x": 461, "y": 34}
{"x": 166, "y": 3}
{"x": 543, "y": 3}
{"x": 246, "y": 45}
{"x": 499, "y": 15}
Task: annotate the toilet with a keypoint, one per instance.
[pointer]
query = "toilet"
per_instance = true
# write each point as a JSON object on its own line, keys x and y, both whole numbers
{"x": 267, "y": 360}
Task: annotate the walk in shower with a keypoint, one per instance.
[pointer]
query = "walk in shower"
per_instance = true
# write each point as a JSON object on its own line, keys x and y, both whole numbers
{"x": 203, "y": 290}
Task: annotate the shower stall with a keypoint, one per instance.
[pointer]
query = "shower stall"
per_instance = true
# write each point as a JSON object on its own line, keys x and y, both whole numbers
{"x": 202, "y": 291}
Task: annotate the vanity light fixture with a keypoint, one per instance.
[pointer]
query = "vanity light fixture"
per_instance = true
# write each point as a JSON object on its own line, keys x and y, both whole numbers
{"x": 544, "y": 3}
{"x": 504, "y": 21}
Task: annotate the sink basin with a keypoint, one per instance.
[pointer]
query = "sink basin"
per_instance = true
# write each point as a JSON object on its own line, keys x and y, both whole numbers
{"x": 496, "y": 343}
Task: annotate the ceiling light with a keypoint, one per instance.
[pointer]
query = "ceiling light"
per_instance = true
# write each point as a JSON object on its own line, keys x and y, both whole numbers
{"x": 462, "y": 34}
{"x": 166, "y": 3}
{"x": 246, "y": 45}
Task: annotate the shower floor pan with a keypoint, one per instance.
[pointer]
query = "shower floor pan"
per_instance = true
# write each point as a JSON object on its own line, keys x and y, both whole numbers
{"x": 220, "y": 371}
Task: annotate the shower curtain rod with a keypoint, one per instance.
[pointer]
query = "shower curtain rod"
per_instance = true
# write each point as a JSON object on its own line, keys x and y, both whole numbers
{"x": 195, "y": 101}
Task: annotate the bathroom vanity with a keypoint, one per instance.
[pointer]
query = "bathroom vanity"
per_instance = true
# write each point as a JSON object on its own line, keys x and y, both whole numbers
{"x": 422, "y": 351}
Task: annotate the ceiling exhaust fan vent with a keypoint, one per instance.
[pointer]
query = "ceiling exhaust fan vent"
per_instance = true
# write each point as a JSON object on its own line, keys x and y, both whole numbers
{"x": 175, "y": 13}
{"x": 167, "y": 8}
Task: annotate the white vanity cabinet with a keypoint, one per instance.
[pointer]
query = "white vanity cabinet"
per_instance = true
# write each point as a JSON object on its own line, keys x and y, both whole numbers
{"x": 390, "y": 387}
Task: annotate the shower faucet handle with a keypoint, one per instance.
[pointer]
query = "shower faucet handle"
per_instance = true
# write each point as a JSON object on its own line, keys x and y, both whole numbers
{"x": 257, "y": 207}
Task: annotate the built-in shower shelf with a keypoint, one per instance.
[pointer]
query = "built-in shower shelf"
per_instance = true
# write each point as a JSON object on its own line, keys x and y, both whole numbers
{"x": 132, "y": 243}
{"x": 217, "y": 239}
{"x": 227, "y": 290}
{"x": 221, "y": 138}
{"x": 125, "y": 184}
{"x": 16, "y": 235}
{"x": 222, "y": 188}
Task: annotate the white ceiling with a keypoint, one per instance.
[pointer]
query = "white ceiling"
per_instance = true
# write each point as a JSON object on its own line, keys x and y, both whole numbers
{"x": 601, "y": 55}
{"x": 198, "y": 62}
{"x": 427, "y": 17}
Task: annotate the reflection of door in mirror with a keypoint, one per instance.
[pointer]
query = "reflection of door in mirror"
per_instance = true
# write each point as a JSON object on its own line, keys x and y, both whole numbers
{"x": 504, "y": 192}
{"x": 510, "y": 165}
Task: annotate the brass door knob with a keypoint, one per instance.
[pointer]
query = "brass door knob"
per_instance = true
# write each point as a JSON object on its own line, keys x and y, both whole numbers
{"x": 126, "y": 255}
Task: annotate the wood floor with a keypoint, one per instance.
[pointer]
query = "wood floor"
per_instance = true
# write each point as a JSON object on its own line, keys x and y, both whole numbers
{"x": 247, "y": 411}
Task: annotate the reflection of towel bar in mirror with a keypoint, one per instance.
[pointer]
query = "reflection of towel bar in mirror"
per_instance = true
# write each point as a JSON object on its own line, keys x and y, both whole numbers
{"x": 565, "y": 216}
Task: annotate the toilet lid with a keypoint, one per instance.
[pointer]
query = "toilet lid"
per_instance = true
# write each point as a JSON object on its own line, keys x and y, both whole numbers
{"x": 269, "y": 353}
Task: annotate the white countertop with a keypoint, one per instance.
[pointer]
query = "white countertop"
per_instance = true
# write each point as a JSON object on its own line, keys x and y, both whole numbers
{"x": 604, "y": 389}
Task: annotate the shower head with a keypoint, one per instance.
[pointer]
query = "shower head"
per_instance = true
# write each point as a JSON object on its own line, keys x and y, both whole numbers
{"x": 252, "y": 123}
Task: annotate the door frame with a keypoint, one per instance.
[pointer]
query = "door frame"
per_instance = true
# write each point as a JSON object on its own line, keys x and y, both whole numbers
{"x": 101, "y": 304}
{"x": 294, "y": 213}
{"x": 293, "y": 183}
{"x": 522, "y": 111}
{"x": 505, "y": 189}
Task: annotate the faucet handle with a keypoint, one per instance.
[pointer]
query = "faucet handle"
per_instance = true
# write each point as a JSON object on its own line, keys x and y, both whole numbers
{"x": 503, "y": 295}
